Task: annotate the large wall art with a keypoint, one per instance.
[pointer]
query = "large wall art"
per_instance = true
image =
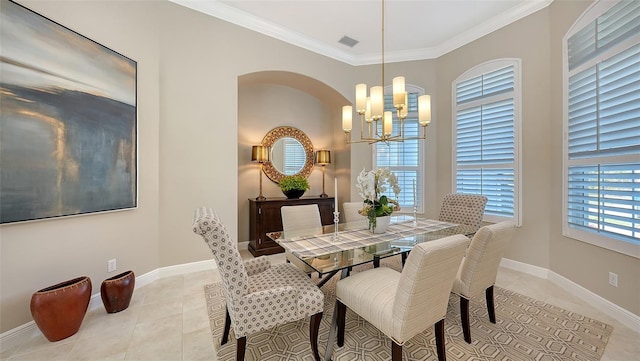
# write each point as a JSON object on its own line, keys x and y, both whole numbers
{"x": 68, "y": 121}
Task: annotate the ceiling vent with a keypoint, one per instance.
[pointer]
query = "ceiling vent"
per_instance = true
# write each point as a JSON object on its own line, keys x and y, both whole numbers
{"x": 348, "y": 41}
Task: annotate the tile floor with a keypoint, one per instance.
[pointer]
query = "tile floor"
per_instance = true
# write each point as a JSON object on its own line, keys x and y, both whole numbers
{"x": 167, "y": 320}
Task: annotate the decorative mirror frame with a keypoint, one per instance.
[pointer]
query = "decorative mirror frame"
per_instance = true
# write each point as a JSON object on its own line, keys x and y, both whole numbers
{"x": 280, "y": 132}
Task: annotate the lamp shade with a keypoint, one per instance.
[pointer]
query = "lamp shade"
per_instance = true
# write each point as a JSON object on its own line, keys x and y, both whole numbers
{"x": 323, "y": 157}
{"x": 260, "y": 153}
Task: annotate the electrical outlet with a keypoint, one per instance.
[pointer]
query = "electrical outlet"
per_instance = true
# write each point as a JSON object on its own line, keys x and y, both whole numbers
{"x": 613, "y": 279}
{"x": 111, "y": 265}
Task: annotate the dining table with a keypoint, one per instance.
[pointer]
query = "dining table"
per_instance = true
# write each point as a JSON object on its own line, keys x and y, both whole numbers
{"x": 339, "y": 248}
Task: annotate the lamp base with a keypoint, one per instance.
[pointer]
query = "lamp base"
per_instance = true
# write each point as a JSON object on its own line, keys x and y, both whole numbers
{"x": 261, "y": 198}
{"x": 324, "y": 195}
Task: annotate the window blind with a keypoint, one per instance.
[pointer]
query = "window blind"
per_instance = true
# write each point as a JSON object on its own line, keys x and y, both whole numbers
{"x": 485, "y": 139}
{"x": 403, "y": 158}
{"x": 603, "y": 126}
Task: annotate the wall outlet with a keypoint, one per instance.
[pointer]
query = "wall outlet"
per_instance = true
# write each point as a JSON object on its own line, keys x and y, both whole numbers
{"x": 613, "y": 279}
{"x": 111, "y": 265}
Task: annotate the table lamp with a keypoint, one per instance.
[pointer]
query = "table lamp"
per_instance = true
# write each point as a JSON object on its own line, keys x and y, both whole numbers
{"x": 260, "y": 154}
{"x": 323, "y": 157}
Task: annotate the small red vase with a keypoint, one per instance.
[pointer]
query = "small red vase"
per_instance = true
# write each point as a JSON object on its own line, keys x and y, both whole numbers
{"x": 116, "y": 291}
{"x": 58, "y": 310}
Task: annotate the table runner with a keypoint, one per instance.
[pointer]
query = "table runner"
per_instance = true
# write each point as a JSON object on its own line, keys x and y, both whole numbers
{"x": 321, "y": 244}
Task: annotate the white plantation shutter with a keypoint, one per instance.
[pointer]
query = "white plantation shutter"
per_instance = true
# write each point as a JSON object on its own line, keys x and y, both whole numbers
{"x": 603, "y": 129}
{"x": 486, "y": 137}
{"x": 404, "y": 159}
{"x": 294, "y": 156}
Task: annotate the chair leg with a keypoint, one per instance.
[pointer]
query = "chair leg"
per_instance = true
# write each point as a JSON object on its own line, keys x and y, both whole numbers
{"x": 227, "y": 326}
{"x": 490, "y": 305}
{"x": 241, "y": 346}
{"x": 314, "y": 326}
{"x": 341, "y": 309}
{"x": 440, "y": 348}
{"x": 464, "y": 317}
{"x": 396, "y": 351}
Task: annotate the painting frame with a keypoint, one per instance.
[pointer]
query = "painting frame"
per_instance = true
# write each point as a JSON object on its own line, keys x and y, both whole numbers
{"x": 69, "y": 121}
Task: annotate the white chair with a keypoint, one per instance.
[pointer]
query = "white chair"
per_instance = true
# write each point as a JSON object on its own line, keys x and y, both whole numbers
{"x": 259, "y": 296}
{"x": 479, "y": 269}
{"x": 301, "y": 220}
{"x": 463, "y": 208}
{"x": 352, "y": 218}
{"x": 350, "y": 210}
{"x": 401, "y": 305}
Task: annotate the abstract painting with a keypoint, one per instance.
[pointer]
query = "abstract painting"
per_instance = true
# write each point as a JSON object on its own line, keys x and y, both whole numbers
{"x": 68, "y": 126}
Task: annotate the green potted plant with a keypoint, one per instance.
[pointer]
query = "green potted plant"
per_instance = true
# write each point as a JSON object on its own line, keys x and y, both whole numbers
{"x": 293, "y": 186}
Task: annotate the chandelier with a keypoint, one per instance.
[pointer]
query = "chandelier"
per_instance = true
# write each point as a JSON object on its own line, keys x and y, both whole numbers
{"x": 372, "y": 115}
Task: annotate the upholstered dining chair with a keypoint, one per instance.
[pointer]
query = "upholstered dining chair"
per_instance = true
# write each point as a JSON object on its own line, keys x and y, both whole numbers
{"x": 301, "y": 220}
{"x": 479, "y": 269}
{"x": 350, "y": 210}
{"x": 352, "y": 218}
{"x": 259, "y": 295}
{"x": 401, "y": 305}
{"x": 463, "y": 208}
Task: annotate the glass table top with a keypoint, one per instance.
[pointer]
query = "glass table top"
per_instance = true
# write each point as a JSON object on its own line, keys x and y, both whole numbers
{"x": 327, "y": 251}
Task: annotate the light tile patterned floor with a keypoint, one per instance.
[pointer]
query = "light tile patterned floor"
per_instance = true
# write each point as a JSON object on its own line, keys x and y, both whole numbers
{"x": 167, "y": 320}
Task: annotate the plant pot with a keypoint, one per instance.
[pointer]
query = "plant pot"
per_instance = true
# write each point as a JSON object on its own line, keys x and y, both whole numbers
{"x": 381, "y": 225}
{"x": 116, "y": 291}
{"x": 58, "y": 310}
{"x": 294, "y": 193}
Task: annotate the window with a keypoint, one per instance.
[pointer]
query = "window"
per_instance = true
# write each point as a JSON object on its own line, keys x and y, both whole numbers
{"x": 486, "y": 133}
{"x": 602, "y": 127}
{"x": 404, "y": 159}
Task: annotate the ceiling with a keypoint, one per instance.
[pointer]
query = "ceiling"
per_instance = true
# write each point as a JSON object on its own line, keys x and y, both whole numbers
{"x": 413, "y": 29}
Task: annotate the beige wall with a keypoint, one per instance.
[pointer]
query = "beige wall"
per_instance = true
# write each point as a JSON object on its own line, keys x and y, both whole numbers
{"x": 528, "y": 40}
{"x": 189, "y": 67}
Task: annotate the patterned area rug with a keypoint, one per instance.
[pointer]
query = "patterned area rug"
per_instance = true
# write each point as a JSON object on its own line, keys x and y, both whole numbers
{"x": 526, "y": 329}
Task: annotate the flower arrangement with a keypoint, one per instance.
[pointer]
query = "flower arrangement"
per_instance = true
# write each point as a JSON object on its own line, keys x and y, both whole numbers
{"x": 371, "y": 185}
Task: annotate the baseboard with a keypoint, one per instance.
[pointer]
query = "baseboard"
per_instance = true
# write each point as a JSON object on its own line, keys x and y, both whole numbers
{"x": 525, "y": 268}
{"x": 620, "y": 314}
{"x": 243, "y": 245}
{"x": 18, "y": 335}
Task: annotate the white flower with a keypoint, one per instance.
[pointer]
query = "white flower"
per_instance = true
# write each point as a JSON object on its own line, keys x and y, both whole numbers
{"x": 366, "y": 185}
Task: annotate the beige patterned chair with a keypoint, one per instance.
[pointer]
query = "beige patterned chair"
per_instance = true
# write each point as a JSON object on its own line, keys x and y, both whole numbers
{"x": 463, "y": 208}
{"x": 259, "y": 296}
{"x": 479, "y": 269}
{"x": 401, "y": 305}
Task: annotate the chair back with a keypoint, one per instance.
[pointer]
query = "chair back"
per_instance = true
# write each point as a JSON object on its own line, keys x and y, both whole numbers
{"x": 463, "y": 208}
{"x": 480, "y": 266}
{"x": 425, "y": 284}
{"x": 301, "y": 220}
{"x": 234, "y": 276}
{"x": 350, "y": 210}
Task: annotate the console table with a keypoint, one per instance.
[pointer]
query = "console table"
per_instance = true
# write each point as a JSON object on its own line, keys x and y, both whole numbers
{"x": 264, "y": 217}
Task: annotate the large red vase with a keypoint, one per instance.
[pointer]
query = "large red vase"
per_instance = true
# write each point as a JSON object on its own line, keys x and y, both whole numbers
{"x": 59, "y": 310}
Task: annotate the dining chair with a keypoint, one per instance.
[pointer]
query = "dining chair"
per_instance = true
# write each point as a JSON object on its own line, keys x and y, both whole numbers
{"x": 350, "y": 210}
{"x": 463, "y": 208}
{"x": 403, "y": 304}
{"x": 479, "y": 269}
{"x": 301, "y": 220}
{"x": 258, "y": 295}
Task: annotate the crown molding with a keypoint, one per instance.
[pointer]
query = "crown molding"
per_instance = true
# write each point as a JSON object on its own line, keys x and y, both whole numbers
{"x": 252, "y": 22}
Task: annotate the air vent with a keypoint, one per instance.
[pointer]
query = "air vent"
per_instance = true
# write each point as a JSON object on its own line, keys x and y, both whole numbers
{"x": 348, "y": 41}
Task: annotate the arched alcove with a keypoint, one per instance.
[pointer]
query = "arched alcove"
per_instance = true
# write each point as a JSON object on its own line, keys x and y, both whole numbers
{"x": 270, "y": 99}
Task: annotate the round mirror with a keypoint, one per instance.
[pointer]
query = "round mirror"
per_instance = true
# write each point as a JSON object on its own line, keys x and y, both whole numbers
{"x": 288, "y": 156}
{"x": 291, "y": 153}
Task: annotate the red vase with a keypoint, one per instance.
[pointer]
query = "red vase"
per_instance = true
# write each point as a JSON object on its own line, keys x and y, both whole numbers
{"x": 116, "y": 291}
{"x": 58, "y": 310}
